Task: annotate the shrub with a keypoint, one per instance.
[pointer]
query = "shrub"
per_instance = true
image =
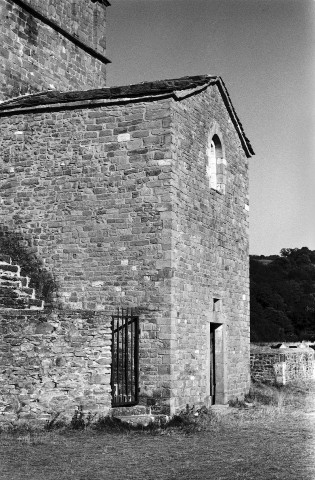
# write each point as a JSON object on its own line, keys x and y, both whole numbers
{"x": 112, "y": 424}
{"x": 193, "y": 420}
{"x": 54, "y": 424}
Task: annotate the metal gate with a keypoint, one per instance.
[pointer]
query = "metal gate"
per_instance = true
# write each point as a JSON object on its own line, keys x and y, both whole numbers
{"x": 125, "y": 358}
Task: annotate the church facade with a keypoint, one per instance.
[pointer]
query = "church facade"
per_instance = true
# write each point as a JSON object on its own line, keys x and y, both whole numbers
{"x": 131, "y": 199}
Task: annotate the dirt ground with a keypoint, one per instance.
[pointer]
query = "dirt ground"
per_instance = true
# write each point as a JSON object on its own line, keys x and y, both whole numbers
{"x": 267, "y": 443}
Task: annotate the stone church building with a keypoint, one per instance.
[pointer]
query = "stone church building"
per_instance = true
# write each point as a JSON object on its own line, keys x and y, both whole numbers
{"x": 124, "y": 276}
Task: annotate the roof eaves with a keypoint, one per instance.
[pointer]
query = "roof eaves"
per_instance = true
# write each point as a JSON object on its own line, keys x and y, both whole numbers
{"x": 177, "y": 88}
{"x": 127, "y": 92}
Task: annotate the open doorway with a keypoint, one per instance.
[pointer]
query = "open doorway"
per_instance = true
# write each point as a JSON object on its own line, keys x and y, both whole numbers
{"x": 217, "y": 387}
{"x": 217, "y": 364}
{"x": 212, "y": 364}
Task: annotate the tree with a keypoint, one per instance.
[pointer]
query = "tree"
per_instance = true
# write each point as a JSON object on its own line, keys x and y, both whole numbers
{"x": 283, "y": 295}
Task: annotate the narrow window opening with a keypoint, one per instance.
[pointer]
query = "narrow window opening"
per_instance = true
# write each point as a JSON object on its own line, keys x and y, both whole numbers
{"x": 216, "y": 165}
{"x": 217, "y": 305}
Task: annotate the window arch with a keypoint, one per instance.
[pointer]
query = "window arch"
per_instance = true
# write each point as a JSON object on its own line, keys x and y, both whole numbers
{"x": 216, "y": 164}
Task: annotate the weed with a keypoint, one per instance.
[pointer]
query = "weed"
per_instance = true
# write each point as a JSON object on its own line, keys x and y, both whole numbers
{"x": 22, "y": 428}
{"x": 272, "y": 400}
{"x": 111, "y": 424}
{"x": 32, "y": 439}
{"x": 237, "y": 403}
{"x": 193, "y": 420}
{"x": 261, "y": 396}
{"x": 25, "y": 433}
{"x": 190, "y": 420}
{"x": 81, "y": 420}
{"x": 25, "y": 439}
{"x": 53, "y": 423}
{"x": 269, "y": 400}
{"x": 77, "y": 421}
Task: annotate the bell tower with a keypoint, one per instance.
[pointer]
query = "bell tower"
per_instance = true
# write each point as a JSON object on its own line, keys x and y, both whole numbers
{"x": 52, "y": 45}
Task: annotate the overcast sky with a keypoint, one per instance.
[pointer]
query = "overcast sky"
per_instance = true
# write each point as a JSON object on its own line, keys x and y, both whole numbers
{"x": 265, "y": 52}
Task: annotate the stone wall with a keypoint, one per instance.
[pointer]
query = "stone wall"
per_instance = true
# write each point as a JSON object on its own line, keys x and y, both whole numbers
{"x": 89, "y": 191}
{"x": 84, "y": 19}
{"x": 115, "y": 199}
{"x": 209, "y": 252}
{"x": 36, "y": 57}
{"x": 282, "y": 365}
{"x": 53, "y": 363}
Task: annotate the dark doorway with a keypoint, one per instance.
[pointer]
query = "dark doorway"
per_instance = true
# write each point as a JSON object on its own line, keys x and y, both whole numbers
{"x": 217, "y": 377}
{"x": 212, "y": 363}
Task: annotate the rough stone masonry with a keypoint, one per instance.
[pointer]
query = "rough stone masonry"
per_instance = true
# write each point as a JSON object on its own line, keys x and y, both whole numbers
{"x": 51, "y": 44}
{"x": 52, "y": 363}
{"x": 137, "y": 196}
{"x": 284, "y": 364}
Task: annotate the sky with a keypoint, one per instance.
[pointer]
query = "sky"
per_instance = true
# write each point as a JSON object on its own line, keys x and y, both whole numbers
{"x": 265, "y": 52}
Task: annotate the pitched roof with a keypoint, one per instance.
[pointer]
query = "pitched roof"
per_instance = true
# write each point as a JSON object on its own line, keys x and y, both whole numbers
{"x": 176, "y": 88}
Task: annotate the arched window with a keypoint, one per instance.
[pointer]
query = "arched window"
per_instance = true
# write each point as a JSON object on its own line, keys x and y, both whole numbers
{"x": 216, "y": 165}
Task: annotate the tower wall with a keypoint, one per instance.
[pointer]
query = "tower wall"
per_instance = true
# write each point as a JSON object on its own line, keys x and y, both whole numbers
{"x": 47, "y": 45}
{"x": 209, "y": 254}
{"x": 84, "y": 19}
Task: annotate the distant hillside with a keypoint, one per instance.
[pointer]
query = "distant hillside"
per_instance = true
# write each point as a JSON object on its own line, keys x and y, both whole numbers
{"x": 282, "y": 295}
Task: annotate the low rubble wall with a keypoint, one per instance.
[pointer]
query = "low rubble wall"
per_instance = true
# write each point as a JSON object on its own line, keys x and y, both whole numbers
{"x": 281, "y": 365}
{"x": 53, "y": 363}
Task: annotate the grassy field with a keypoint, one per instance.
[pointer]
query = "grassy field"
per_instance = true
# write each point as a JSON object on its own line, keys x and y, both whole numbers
{"x": 274, "y": 439}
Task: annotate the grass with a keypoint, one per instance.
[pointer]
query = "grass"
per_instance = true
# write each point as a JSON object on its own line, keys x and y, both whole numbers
{"x": 274, "y": 439}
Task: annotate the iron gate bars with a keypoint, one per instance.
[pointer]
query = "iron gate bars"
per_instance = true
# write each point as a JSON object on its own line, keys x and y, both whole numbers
{"x": 125, "y": 358}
